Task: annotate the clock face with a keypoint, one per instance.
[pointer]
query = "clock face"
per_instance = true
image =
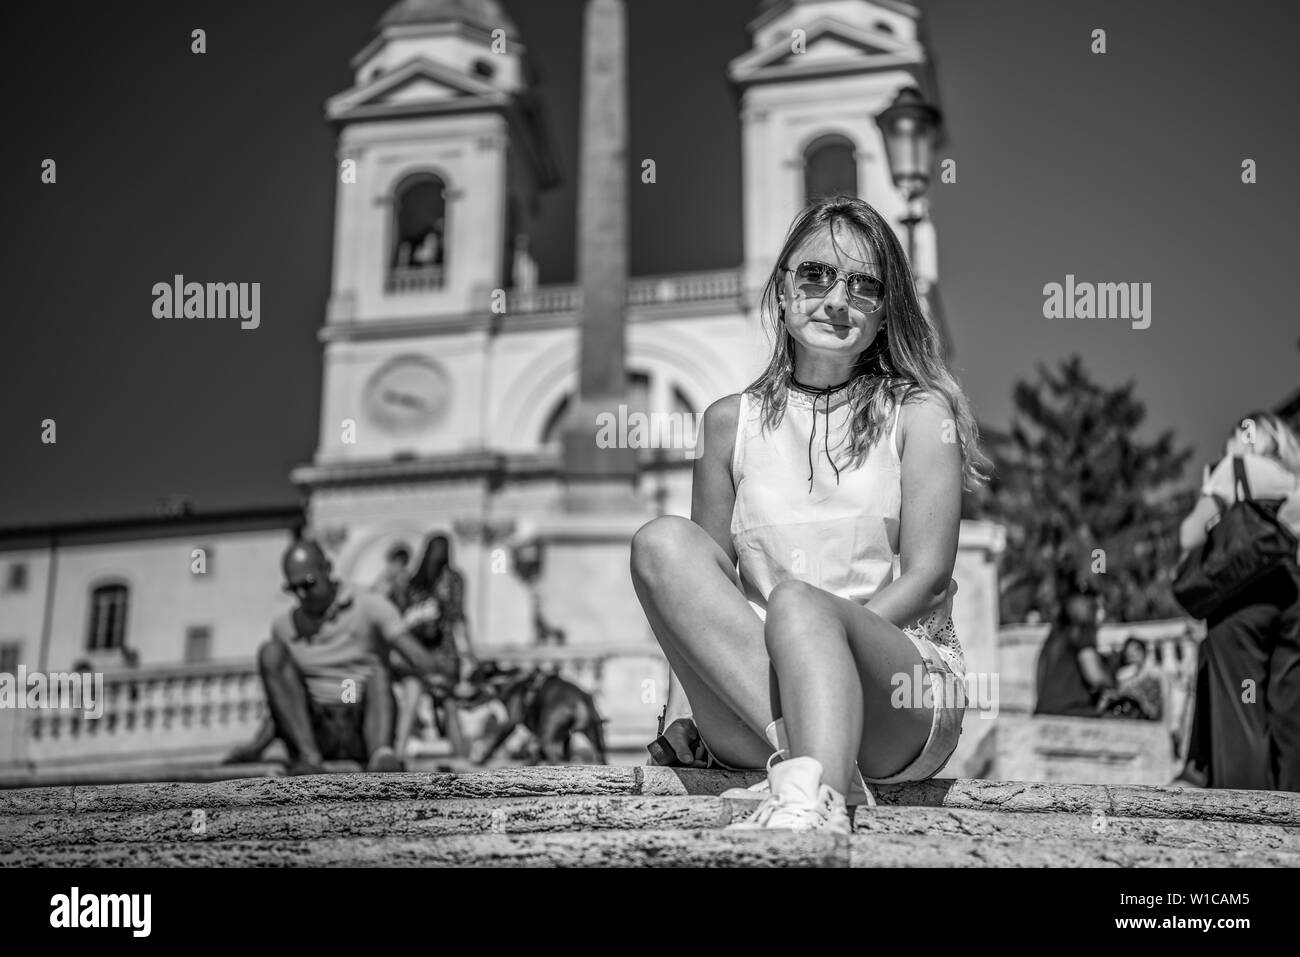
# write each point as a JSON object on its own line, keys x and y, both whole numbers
{"x": 408, "y": 394}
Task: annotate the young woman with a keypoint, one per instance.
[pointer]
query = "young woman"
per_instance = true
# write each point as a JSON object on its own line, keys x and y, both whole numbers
{"x": 432, "y": 604}
{"x": 1249, "y": 700}
{"x": 851, "y": 448}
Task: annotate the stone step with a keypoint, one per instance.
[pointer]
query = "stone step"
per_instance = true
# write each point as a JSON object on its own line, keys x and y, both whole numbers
{"x": 1113, "y": 801}
{"x": 402, "y": 817}
{"x": 615, "y": 848}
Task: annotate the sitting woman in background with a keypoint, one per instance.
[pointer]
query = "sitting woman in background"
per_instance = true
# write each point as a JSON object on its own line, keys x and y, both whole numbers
{"x": 1252, "y": 642}
{"x": 432, "y": 604}
{"x": 1137, "y": 692}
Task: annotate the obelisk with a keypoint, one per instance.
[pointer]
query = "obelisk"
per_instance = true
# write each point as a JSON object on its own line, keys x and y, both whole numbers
{"x": 599, "y": 479}
{"x": 586, "y": 588}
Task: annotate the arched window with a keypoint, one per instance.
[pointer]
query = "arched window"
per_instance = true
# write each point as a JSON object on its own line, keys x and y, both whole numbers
{"x": 830, "y": 167}
{"x": 108, "y": 606}
{"x": 681, "y": 404}
{"x": 638, "y": 400}
{"x": 419, "y": 234}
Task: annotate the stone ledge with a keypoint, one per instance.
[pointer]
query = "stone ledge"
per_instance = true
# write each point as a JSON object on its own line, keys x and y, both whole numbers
{"x": 539, "y": 815}
{"x": 1127, "y": 801}
{"x": 687, "y": 848}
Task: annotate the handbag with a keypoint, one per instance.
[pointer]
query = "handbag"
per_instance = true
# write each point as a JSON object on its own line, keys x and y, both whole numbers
{"x": 1247, "y": 543}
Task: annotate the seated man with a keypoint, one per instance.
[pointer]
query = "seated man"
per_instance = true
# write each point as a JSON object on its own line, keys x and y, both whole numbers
{"x": 325, "y": 670}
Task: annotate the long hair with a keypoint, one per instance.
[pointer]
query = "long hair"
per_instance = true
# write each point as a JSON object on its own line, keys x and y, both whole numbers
{"x": 437, "y": 556}
{"x": 1273, "y": 439}
{"x": 903, "y": 360}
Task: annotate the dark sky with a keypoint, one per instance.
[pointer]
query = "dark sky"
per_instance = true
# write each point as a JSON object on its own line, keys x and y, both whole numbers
{"x": 1122, "y": 168}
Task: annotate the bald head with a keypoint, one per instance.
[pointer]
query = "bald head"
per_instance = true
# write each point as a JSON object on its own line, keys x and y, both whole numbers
{"x": 304, "y": 557}
{"x": 307, "y": 576}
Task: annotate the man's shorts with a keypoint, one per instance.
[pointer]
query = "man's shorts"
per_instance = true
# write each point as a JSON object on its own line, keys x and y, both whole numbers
{"x": 337, "y": 729}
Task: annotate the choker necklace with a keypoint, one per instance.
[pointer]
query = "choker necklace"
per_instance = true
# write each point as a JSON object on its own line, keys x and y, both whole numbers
{"x": 818, "y": 390}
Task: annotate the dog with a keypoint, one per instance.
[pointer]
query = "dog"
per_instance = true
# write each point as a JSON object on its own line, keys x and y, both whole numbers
{"x": 550, "y": 707}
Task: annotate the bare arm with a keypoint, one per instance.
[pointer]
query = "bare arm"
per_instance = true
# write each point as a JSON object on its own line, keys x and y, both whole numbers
{"x": 1191, "y": 534}
{"x": 713, "y": 497}
{"x": 930, "y": 519}
{"x": 1095, "y": 673}
{"x": 413, "y": 652}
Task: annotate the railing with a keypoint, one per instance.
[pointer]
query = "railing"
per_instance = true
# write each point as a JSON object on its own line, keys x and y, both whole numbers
{"x": 148, "y": 713}
{"x": 200, "y": 711}
{"x": 689, "y": 287}
{"x": 406, "y": 279}
{"x": 644, "y": 291}
{"x": 544, "y": 299}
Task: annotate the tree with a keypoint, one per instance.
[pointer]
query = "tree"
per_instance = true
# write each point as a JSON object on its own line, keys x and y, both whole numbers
{"x": 1086, "y": 504}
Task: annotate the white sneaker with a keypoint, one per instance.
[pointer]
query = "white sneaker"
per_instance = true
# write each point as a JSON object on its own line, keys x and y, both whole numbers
{"x": 798, "y": 802}
{"x": 858, "y": 794}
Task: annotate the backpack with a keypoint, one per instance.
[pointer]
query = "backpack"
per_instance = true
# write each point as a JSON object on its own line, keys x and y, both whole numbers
{"x": 1247, "y": 543}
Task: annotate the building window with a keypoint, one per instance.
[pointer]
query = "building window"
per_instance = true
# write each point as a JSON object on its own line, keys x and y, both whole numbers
{"x": 830, "y": 168}
{"x": 9, "y": 652}
{"x": 638, "y": 400}
{"x": 16, "y": 580}
{"x": 198, "y": 644}
{"x": 419, "y": 234}
{"x": 108, "y": 606}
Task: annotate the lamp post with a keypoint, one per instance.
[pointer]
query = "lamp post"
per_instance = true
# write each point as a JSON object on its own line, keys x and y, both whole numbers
{"x": 910, "y": 127}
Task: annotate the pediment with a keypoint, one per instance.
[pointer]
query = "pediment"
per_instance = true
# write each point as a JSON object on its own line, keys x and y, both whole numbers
{"x": 826, "y": 42}
{"x": 417, "y": 83}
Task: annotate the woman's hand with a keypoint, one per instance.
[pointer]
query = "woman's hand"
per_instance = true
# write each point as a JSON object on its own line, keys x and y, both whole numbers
{"x": 420, "y": 613}
{"x": 679, "y": 746}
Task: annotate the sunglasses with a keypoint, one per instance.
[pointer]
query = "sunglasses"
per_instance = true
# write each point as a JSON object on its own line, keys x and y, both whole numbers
{"x": 818, "y": 279}
{"x": 298, "y": 588}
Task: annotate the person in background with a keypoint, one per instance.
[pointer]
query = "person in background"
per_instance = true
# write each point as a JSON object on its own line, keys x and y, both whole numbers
{"x": 392, "y": 581}
{"x": 1252, "y": 642}
{"x": 433, "y": 608}
{"x": 1196, "y": 719}
{"x": 325, "y": 671}
{"x": 1071, "y": 672}
{"x": 1137, "y": 692}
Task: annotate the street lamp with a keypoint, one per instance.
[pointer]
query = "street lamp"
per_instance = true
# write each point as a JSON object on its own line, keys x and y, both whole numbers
{"x": 910, "y": 127}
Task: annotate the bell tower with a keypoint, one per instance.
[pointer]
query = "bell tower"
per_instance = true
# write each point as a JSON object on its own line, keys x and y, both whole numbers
{"x": 442, "y": 156}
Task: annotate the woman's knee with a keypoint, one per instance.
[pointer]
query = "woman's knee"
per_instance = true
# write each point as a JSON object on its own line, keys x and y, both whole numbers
{"x": 790, "y": 604}
{"x": 660, "y": 540}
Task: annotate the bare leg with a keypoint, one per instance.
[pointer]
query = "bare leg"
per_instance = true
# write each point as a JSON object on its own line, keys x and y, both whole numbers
{"x": 377, "y": 721}
{"x": 286, "y": 698}
{"x": 713, "y": 640}
{"x": 837, "y": 663}
{"x": 252, "y": 751}
{"x": 408, "y": 700}
{"x": 451, "y": 717}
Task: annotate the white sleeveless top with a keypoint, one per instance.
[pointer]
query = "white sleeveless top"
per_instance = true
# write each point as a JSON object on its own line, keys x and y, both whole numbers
{"x": 840, "y": 534}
